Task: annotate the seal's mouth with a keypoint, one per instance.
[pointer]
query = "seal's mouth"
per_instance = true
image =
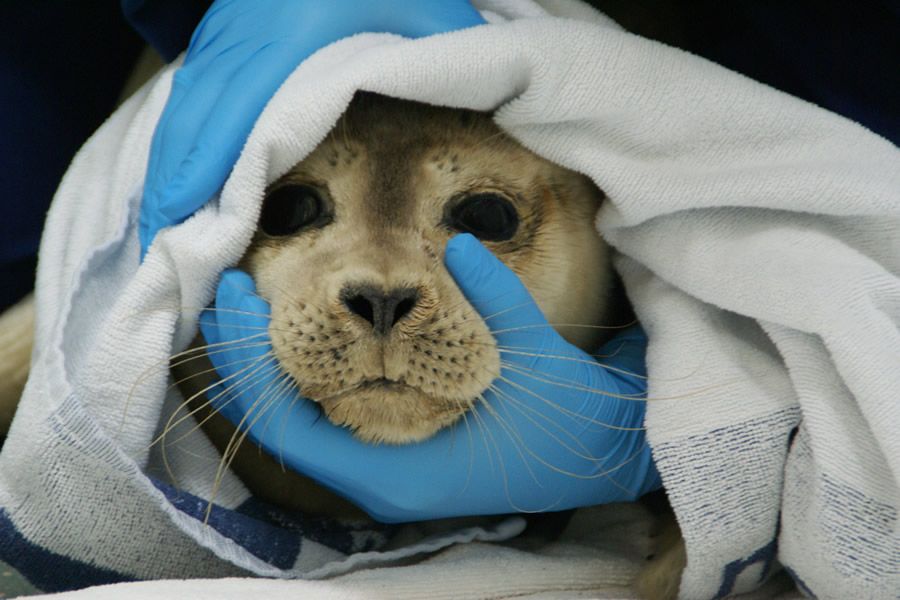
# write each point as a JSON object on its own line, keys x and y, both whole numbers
{"x": 390, "y": 385}
{"x": 378, "y": 384}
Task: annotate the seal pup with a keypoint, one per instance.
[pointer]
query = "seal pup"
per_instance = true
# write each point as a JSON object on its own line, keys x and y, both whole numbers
{"x": 365, "y": 317}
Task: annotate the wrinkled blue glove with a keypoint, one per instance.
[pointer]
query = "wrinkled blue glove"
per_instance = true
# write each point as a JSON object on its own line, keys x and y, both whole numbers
{"x": 552, "y": 435}
{"x": 238, "y": 57}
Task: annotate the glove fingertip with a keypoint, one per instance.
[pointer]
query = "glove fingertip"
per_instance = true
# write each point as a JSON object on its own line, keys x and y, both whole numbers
{"x": 465, "y": 257}
{"x": 196, "y": 180}
{"x": 483, "y": 278}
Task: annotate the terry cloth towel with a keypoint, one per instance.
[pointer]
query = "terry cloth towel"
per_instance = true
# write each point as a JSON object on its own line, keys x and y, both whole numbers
{"x": 758, "y": 237}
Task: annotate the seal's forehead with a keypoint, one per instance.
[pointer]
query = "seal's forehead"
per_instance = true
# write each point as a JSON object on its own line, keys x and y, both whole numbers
{"x": 390, "y": 162}
{"x": 409, "y": 154}
{"x": 382, "y": 122}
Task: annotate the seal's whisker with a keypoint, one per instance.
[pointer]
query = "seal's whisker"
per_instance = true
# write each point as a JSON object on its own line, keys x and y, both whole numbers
{"x": 195, "y": 309}
{"x": 275, "y": 389}
{"x": 512, "y": 503}
{"x": 514, "y": 436}
{"x": 521, "y": 351}
{"x": 477, "y": 317}
{"x": 256, "y": 371}
{"x": 284, "y": 383}
{"x": 489, "y": 437}
{"x": 567, "y": 411}
{"x": 561, "y": 383}
{"x": 252, "y": 379}
{"x": 555, "y": 325}
{"x": 524, "y": 348}
{"x": 585, "y": 453}
{"x": 237, "y": 438}
{"x": 214, "y": 370}
{"x": 166, "y": 442}
{"x": 591, "y": 363}
{"x": 465, "y": 421}
{"x": 246, "y": 346}
{"x": 199, "y": 456}
{"x": 605, "y": 473}
{"x": 481, "y": 428}
{"x": 524, "y": 305}
{"x": 490, "y": 139}
{"x": 163, "y": 437}
{"x": 636, "y": 397}
{"x": 163, "y": 365}
{"x": 506, "y": 310}
{"x": 604, "y": 366}
{"x": 200, "y": 348}
{"x": 294, "y": 389}
{"x": 520, "y": 407}
{"x": 163, "y": 440}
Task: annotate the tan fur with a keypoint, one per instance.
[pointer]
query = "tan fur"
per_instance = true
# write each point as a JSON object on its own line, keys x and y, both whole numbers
{"x": 16, "y": 339}
{"x": 661, "y": 578}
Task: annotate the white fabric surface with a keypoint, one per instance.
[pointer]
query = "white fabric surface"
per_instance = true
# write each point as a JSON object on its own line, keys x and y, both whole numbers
{"x": 760, "y": 244}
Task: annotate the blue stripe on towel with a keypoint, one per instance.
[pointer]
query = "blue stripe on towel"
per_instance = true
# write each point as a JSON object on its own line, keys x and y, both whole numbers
{"x": 277, "y": 546}
{"x": 275, "y": 535}
{"x": 344, "y": 536}
{"x": 45, "y": 570}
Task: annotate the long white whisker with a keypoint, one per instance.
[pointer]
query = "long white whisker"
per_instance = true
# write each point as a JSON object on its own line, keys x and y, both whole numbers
{"x": 522, "y": 407}
{"x": 249, "y": 376}
{"x": 592, "y": 363}
{"x": 572, "y": 386}
{"x": 237, "y": 438}
{"x": 514, "y": 436}
{"x": 568, "y": 411}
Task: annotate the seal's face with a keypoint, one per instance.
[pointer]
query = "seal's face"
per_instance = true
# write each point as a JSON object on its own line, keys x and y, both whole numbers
{"x": 349, "y": 252}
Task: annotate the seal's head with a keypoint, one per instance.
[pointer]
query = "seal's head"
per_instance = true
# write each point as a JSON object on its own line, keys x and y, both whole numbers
{"x": 349, "y": 248}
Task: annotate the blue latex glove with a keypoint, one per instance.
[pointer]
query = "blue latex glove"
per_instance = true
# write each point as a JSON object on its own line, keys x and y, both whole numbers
{"x": 545, "y": 440}
{"x": 239, "y": 55}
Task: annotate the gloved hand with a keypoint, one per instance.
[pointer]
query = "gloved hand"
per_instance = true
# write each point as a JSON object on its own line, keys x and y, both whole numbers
{"x": 238, "y": 56}
{"x": 557, "y": 431}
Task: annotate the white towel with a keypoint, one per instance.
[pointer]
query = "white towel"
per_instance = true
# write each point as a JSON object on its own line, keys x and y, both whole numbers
{"x": 759, "y": 240}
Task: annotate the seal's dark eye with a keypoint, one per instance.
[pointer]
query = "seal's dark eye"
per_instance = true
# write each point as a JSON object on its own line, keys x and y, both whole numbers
{"x": 290, "y": 208}
{"x": 487, "y": 216}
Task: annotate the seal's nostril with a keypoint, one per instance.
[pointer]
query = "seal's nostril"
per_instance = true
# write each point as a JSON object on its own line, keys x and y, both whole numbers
{"x": 382, "y": 310}
{"x": 404, "y": 306}
{"x": 361, "y": 306}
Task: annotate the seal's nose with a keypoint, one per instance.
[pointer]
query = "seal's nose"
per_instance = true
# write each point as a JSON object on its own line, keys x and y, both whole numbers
{"x": 382, "y": 309}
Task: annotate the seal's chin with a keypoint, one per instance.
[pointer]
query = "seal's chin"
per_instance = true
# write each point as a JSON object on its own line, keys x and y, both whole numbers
{"x": 391, "y": 412}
